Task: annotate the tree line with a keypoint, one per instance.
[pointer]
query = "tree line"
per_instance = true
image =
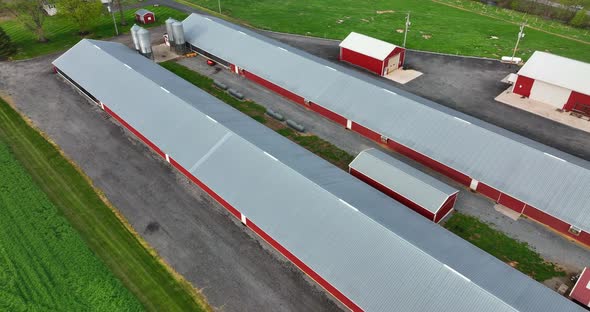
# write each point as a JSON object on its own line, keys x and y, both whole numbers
{"x": 571, "y": 12}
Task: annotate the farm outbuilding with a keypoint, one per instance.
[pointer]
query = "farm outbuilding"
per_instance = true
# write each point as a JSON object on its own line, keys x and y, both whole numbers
{"x": 372, "y": 54}
{"x": 530, "y": 178}
{"x": 367, "y": 250}
{"x": 581, "y": 290}
{"x": 144, "y": 16}
{"x": 424, "y": 194}
{"x": 555, "y": 80}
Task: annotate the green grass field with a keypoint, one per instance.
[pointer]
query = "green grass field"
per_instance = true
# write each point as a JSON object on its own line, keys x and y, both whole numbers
{"x": 515, "y": 253}
{"x": 45, "y": 263}
{"x": 313, "y": 143}
{"x": 49, "y": 266}
{"x": 63, "y": 34}
{"x": 435, "y": 26}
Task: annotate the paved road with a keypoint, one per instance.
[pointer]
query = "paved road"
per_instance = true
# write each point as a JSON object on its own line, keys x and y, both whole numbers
{"x": 187, "y": 228}
{"x": 551, "y": 246}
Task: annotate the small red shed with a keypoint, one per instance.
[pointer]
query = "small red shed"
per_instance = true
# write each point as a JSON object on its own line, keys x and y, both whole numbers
{"x": 373, "y": 54}
{"x": 581, "y": 291}
{"x": 422, "y": 193}
{"x": 144, "y": 16}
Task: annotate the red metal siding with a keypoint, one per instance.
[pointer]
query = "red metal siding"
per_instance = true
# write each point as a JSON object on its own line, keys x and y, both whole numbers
{"x": 402, "y": 55}
{"x": 328, "y": 113}
{"x": 523, "y": 86}
{"x": 448, "y": 205}
{"x": 288, "y": 94}
{"x": 450, "y": 172}
{"x": 393, "y": 194}
{"x": 580, "y": 292}
{"x": 578, "y": 101}
{"x": 511, "y": 202}
{"x": 361, "y": 60}
{"x": 366, "y": 132}
{"x": 488, "y": 191}
{"x": 130, "y": 128}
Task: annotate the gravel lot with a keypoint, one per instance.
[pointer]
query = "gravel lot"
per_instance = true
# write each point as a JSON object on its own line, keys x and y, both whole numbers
{"x": 187, "y": 228}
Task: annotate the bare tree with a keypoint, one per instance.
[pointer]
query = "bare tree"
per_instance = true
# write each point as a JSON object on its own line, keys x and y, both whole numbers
{"x": 30, "y": 13}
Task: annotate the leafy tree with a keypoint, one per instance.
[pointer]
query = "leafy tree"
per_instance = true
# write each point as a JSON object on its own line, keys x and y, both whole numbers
{"x": 81, "y": 12}
{"x": 580, "y": 19}
{"x": 7, "y": 48}
{"x": 30, "y": 13}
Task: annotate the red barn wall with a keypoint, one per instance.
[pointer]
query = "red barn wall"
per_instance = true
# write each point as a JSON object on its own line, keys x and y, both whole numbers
{"x": 446, "y": 207}
{"x": 361, "y": 60}
{"x": 393, "y": 194}
{"x": 578, "y": 99}
{"x": 523, "y": 86}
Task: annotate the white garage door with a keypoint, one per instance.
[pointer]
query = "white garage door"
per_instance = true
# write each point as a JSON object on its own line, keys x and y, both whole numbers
{"x": 550, "y": 94}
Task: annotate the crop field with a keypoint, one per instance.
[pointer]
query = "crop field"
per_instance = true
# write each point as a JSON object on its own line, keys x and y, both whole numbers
{"x": 63, "y": 34}
{"x": 436, "y": 26}
{"x": 45, "y": 265}
{"x": 62, "y": 248}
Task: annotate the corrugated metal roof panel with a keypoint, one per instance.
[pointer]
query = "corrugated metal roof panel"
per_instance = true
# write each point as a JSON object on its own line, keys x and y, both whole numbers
{"x": 382, "y": 256}
{"x": 403, "y": 179}
{"x": 486, "y": 153}
{"x": 366, "y": 45}
{"x": 558, "y": 70}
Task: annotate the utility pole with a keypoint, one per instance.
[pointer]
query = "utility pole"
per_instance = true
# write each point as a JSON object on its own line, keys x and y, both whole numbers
{"x": 219, "y": 5}
{"x": 109, "y": 4}
{"x": 520, "y": 35}
{"x": 408, "y": 23}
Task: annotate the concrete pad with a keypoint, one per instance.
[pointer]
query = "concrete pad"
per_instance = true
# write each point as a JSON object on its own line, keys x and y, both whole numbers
{"x": 163, "y": 53}
{"x": 403, "y": 76}
{"x": 507, "y": 212}
{"x": 544, "y": 110}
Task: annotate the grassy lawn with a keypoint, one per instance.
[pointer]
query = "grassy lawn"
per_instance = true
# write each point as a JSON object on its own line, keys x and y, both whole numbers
{"x": 63, "y": 34}
{"x": 313, "y": 143}
{"x": 435, "y": 26}
{"x": 70, "y": 195}
{"x": 45, "y": 263}
{"x": 513, "y": 252}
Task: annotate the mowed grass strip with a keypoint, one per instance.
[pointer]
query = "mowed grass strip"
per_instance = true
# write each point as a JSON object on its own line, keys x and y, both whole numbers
{"x": 45, "y": 263}
{"x": 157, "y": 288}
{"x": 515, "y": 253}
{"x": 63, "y": 34}
{"x": 313, "y": 143}
{"x": 435, "y": 27}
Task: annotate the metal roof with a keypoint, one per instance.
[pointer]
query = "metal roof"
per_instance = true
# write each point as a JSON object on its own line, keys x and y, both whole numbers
{"x": 543, "y": 177}
{"x": 581, "y": 290}
{"x": 142, "y": 12}
{"x": 366, "y": 45}
{"x": 402, "y": 178}
{"x": 377, "y": 252}
{"x": 558, "y": 70}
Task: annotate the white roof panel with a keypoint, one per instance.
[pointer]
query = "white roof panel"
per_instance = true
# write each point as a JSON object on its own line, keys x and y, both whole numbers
{"x": 366, "y": 45}
{"x": 558, "y": 70}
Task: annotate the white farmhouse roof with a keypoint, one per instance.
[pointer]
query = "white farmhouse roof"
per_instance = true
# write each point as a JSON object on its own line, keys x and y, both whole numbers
{"x": 366, "y": 45}
{"x": 559, "y": 71}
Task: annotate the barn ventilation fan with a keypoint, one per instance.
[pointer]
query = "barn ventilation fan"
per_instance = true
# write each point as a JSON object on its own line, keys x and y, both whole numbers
{"x": 574, "y": 230}
{"x": 384, "y": 139}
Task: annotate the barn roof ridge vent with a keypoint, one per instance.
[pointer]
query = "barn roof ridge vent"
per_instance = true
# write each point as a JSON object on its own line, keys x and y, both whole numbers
{"x": 165, "y": 90}
{"x": 387, "y": 90}
{"x": 271, "y": 156}
{"x": 454, "y": 271}
{"x": 241, "y": 32}
{"x": 97, "y": 46}
{"x": 281, "y": 48}
{"x": 331, "y": 68}
{"x": 127, "y": 66}
{"x": 347, "y": 204}
{"x": 552, "y": 156}
{"x": 211, "y": 118}
{"x": 462, "y": 120}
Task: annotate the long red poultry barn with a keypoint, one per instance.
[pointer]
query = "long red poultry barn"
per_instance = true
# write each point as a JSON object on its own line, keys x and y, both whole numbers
{"x": 581, "y": 290}
{"x": 422, "y": 193}
{"x": 364, "y": 248}
{"x": 530, "y": 178}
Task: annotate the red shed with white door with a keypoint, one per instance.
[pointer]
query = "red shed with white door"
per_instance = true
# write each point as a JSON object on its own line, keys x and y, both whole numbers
{"x": 555, "y": 80}
{"x": 372, "y": 54}
{"x": 144, "y": 16}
